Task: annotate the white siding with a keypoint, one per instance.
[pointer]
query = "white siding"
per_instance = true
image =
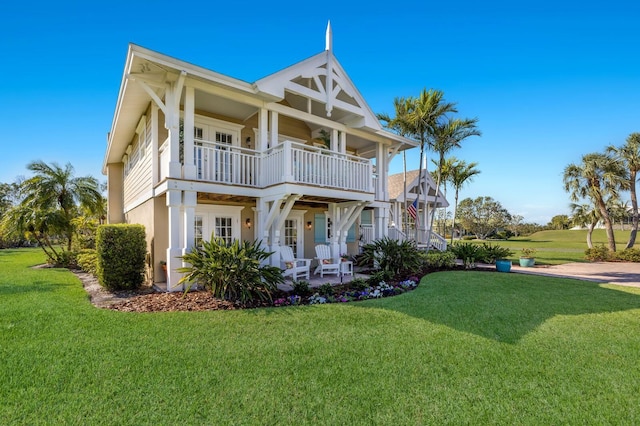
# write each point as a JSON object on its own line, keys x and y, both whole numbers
{"x": 138, "y": 184}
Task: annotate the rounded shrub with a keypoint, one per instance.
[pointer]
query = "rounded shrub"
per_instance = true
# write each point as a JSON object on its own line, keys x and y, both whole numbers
{"x": 121, "y": 251}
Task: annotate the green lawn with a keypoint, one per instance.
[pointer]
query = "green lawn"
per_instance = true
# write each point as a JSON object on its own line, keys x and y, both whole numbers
{"x": 464, "y": 348}
{"x": 557, "y": 247}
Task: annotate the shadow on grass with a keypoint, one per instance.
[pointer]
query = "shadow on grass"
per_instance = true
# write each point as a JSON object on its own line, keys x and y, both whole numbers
{"x": 504, "y": 307}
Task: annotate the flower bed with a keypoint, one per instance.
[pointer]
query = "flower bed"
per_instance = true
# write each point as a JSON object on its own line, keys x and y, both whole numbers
{"x": 343, "y": 294}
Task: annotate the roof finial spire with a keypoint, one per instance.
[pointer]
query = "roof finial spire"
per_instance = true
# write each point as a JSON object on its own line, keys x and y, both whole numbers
{"x": 329, "y": 37}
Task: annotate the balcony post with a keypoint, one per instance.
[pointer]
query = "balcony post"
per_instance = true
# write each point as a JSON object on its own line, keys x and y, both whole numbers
{"x": 287, "y": 173}
{"x": 189, "y": 167}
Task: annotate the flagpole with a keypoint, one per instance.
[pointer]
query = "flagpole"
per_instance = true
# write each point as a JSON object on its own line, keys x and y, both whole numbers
{"x": 405, "y": 221}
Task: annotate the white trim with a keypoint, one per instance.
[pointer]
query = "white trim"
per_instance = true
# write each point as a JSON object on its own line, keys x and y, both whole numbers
{"x": 298, "y": 216}
{"x": 210, "y": 212}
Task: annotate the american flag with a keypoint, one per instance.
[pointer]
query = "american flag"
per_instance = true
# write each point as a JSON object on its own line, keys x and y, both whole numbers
{"x": 413, "y": 211}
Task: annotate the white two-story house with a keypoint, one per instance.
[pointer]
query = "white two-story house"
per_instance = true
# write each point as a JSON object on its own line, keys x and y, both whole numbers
{"x": 296, "y": 158}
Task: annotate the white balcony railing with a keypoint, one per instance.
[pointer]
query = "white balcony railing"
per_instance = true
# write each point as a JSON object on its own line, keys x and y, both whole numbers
{"x": 299, "y": 163}
{"x": 222, "y": 163}
{"x": 287, "y": 162}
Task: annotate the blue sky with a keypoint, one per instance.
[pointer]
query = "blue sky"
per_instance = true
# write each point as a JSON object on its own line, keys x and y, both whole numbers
{"x": 548, "y": 81}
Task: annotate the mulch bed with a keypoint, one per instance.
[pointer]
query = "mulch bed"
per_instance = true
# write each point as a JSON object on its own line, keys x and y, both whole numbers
{"x": 148, "y": 300}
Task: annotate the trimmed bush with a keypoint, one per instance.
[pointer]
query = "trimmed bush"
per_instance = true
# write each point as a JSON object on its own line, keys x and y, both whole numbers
{"x": 87, "y": 260}
{"x": 629, "y": 255}
{"x": 599, "y": 253}
{"x": 121, "y": 251}
{"x": 440, "y": 259}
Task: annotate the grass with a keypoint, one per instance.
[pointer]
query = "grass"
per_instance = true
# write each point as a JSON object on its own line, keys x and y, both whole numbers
{"x": 557, "y": 247}
{"x": 464, "y": 348}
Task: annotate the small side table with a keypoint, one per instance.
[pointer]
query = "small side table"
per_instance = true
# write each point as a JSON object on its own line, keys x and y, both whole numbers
{"x": 346, "y": 267}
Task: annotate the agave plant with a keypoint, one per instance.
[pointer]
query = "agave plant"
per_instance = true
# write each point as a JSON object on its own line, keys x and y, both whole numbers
{"x": 231, "y": 270}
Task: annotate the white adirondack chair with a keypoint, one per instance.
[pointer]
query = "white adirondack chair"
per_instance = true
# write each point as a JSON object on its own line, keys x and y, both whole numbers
{"x": 292, "y": 267}
{"x": 326, "y": 264}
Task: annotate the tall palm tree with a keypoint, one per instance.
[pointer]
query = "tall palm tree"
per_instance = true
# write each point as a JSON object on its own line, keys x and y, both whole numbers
{"x": 629, "y": 154}
{"x": 461, "y": 173}
{"x": 448, "y": 135}
{"x": 54, "y": 191}
{"x": 417, "y": 118}
{"x": 598, "y": 177}
{"x": 443, "y": 174}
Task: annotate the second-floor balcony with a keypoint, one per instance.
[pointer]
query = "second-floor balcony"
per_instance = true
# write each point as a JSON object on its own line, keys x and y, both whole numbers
{"x": 287, "y": 162}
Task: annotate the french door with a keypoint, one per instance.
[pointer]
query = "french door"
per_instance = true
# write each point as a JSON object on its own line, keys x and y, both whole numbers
{"x": 292, "y": 233}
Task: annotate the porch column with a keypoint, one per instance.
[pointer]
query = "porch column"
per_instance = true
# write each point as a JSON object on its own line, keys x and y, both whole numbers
{"x": 381, "y": 222}
{"x": 343, "y": 142}
{"x": 273, "y": 128}
{"x": 380, "y": 171}
{"x": 189, "y": 168}
{"x": 174, "y": 251}
{"x": 172, "y": 123}
{"x": 275, "y": 247}
{"x": 335, "y": 142}
{"x": 188, "y": 220}
{"x": 262, "y": 233}
{"x": 334, "y": 242}
{"x": 263, "y": 130}
{"x": 274, "y": 237}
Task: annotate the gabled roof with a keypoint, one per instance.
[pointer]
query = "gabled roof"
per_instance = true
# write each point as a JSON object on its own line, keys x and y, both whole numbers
{"x": 316, "y": 86}
{"x": 322, "y": 80}
{"x": 396, "y": 187}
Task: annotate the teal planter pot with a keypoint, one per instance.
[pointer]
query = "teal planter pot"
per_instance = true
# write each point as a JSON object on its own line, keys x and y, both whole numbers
{"x": 527, "y": 262}
{"x": 503, "y": 265}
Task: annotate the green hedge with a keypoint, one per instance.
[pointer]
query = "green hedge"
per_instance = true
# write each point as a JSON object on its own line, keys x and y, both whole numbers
{"x": 87, "y": 260}
{"x": 121, "y": 251}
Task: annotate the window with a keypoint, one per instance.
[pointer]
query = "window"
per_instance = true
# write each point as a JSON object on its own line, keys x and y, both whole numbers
{"x": 198, "y": 231}
{"x": 291, "y": 234}
{"x": 224, "y": 229}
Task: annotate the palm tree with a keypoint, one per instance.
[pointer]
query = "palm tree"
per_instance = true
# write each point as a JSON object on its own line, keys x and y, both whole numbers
{"x": 599, "y": 176}
{"x": 629, "y": 154}
{"x": 461, "y": 173}
{"x": 53, "y": 196}
{"x": 585, "y": 215}
{"x": 443, "y": 174}
{"x": 448, "y": 135}
{"x": 417, "y": 118}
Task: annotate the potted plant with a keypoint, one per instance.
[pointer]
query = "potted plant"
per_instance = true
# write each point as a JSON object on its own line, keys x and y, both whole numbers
{"x": 503, "y": 265}
{"x": 526, "y": 257}
{"x": 344, "y": 257}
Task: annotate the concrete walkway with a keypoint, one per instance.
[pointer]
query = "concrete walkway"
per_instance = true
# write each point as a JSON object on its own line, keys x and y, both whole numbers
{"x": 620, "y": 273}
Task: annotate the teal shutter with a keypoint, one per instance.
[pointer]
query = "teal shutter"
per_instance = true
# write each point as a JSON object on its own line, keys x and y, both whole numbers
{"x": 319, "y": 229}
{"x": 365, "y": 217}
{"x": 351, "y": 234}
